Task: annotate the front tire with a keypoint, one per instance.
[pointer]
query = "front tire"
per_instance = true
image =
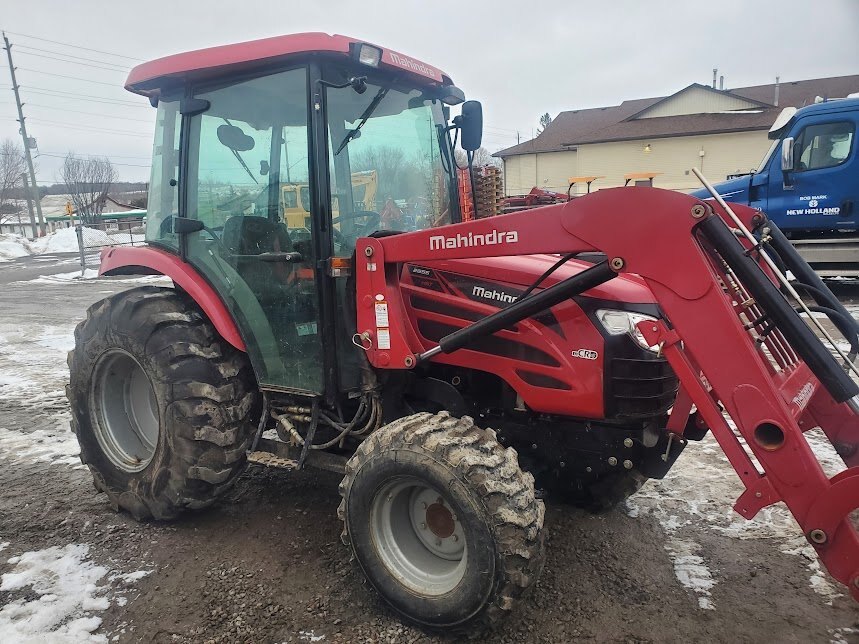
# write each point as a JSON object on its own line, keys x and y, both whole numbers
{"x": 162, "y": 407}
{"x": 442, "y": 521}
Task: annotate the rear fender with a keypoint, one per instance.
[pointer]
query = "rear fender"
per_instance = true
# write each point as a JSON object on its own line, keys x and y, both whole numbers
{"x": 147, "y": 260}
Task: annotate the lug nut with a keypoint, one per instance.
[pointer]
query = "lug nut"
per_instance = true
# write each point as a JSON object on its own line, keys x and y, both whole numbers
{"x": 562, "y": 464}
{"x": 627, "y": 464}
{"x": 627, "y": 442}
{"x": 438, "y": 542}
{"x": 589, "y": 469}
{"x": 423, "y": 526}
{"x": 612, "y": 461}
{"x": 455, "y": 538}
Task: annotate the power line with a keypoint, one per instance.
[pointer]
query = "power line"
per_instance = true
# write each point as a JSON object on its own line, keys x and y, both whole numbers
{"x": 76, "y": 126}
{"x": 87, "y": 97}
{"x": 74, "y": 62}
{"x": 89, "y": 154}
{"x": 110, "y": 116}
{"x": 57, "y": 42}
{"x": 63, "y": 156}
{"x": 65, "y": 55}
{"x": 77, "y": 78}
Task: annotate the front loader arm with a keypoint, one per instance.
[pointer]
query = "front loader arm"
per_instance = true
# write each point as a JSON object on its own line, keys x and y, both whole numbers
{"x": 743, "y": 356}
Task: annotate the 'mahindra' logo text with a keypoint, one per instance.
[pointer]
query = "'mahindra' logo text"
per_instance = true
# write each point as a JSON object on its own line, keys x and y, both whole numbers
{"x": 439, "y": 242}
{"x": 408, "y": 63}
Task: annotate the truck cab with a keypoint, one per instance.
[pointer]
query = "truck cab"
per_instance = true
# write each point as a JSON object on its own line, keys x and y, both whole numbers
{"x": 808, "y": 181}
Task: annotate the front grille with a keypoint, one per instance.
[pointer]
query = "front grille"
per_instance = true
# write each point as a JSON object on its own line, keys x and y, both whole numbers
{"x": 639, "y": 388}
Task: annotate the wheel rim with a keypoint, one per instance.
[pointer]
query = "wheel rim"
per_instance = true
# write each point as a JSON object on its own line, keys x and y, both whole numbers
{"x": 418, "y": 537}
{"x": 127, "y": 411}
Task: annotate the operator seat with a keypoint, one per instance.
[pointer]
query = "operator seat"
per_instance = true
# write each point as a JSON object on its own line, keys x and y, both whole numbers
{"x": 252, "y": 235}
{"x": 246, "y": 236}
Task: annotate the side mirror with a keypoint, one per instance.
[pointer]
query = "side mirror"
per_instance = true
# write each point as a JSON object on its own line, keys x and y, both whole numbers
{"x": 787, "y": 162}
{"x": 471, "y": 124}
{"x": 787, "y": 154}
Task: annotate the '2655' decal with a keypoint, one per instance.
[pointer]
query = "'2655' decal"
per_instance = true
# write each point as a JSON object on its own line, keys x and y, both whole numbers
{"x": 585, "y": 354}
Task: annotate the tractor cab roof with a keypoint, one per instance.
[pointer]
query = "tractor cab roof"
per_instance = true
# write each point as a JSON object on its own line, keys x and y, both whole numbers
{"x": 150, "y": 78}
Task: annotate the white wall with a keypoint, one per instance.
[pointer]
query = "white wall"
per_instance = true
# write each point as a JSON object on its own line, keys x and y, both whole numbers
{"x": 697, "y": 100}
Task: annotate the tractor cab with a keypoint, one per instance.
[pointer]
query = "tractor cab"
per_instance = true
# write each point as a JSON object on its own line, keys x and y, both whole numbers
{"x": 270, "y": 160}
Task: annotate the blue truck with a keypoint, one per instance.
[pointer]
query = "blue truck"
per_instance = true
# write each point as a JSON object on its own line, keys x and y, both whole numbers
{"x": 808, "y": 184}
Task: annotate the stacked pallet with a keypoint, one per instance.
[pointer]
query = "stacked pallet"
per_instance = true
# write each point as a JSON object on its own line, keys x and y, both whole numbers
{"x": 488, "y": 191}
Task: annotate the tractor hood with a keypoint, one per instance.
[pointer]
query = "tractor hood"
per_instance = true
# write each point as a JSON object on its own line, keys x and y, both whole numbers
{"x": 521, "y": 271}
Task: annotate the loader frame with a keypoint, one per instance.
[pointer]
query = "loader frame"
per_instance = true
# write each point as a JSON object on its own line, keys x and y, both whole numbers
{"x": 744, "y": 357}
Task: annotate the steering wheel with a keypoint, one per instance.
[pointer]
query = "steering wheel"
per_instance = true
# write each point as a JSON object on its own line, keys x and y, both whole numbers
{"x": 362, "y": 229}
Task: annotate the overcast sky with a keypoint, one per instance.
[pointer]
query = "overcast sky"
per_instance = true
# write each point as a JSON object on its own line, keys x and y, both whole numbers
{"x": 520, "y": 59}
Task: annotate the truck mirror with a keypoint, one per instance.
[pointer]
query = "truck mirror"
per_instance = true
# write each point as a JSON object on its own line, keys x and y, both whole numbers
{"x": 787, "y": 154}
{"x": 471, "y": 124}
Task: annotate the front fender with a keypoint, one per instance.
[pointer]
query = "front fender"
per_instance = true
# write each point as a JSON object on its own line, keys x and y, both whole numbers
{"x": 147, "y": 260}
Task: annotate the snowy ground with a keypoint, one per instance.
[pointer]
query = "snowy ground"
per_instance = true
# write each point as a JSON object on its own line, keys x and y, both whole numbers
{"x": 63, "y": 240}
{"x": 676, "y": 564}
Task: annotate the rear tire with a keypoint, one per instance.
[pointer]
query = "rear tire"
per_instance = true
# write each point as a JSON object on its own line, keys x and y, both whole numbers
{"x": 162, "y": 407}
{"x": 442, "y": 521}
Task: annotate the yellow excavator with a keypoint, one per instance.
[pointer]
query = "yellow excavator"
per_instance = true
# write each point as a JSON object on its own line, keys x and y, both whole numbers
{"x": 295, "y": 198}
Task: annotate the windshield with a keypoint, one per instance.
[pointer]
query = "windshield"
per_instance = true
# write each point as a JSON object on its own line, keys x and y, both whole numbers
{"x": 765, "y": 161}
{"x": 388, "y": 168}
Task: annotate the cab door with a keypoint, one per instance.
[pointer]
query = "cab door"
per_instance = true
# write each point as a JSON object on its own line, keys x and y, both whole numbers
{"x": 243, "y": 143}
{"x": 821, "y": 190}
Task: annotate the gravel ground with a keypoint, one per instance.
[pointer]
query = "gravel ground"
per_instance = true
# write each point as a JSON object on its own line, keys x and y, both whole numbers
{"x": 267, "y": 565}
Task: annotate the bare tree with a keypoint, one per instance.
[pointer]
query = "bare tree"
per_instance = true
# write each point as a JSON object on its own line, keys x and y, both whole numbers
{"x": 482, "y": 157}
{"x": 12, "y": 166}
{"x": 88, "y": 182}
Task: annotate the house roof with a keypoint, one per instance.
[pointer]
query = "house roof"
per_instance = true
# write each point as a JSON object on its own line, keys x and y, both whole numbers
{"x": 619, "y": 122}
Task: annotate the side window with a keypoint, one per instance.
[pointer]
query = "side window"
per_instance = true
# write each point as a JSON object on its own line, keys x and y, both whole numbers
{"x": 824, "y": 146}
{"x": 163, "y": 197}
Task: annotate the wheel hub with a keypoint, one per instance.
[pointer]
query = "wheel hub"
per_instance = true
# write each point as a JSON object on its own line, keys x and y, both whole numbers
{"x": 440, "y": 521}
{"x": 418, "y": 537}
{"x": 126, "y": 411}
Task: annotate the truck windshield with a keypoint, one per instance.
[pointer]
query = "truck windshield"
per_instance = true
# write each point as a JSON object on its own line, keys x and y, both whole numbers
{"x": 765, "y": 161}
{"x": 393, "y": 168}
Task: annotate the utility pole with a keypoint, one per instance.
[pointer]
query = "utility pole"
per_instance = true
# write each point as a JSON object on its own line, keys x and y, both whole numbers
{"x": 24, "y": 136}
{"x": 29, "y": 196}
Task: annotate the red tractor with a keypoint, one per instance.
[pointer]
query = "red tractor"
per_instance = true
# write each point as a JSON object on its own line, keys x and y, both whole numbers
{"x": 595, "y": 337}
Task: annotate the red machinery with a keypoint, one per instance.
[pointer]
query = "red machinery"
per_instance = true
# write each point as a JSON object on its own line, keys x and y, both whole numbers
{"x": 727, "y": 333}
{"x": 371, "y": 349}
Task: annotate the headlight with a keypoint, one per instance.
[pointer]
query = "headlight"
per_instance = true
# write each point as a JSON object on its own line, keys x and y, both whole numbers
{"x": 624, "y": 322}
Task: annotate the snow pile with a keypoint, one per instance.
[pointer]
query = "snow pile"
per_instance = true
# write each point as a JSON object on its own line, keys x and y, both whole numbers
{"x": 13, "y": 246}
{"x": 63, "y": 240}
{"x": 67, "y": 594}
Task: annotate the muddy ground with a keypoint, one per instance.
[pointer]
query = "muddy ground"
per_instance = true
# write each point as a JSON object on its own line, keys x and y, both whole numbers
{"x": 267, "y": 565}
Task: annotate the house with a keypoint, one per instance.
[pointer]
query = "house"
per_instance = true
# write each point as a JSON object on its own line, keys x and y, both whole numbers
{"x": 719, "y": 131}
